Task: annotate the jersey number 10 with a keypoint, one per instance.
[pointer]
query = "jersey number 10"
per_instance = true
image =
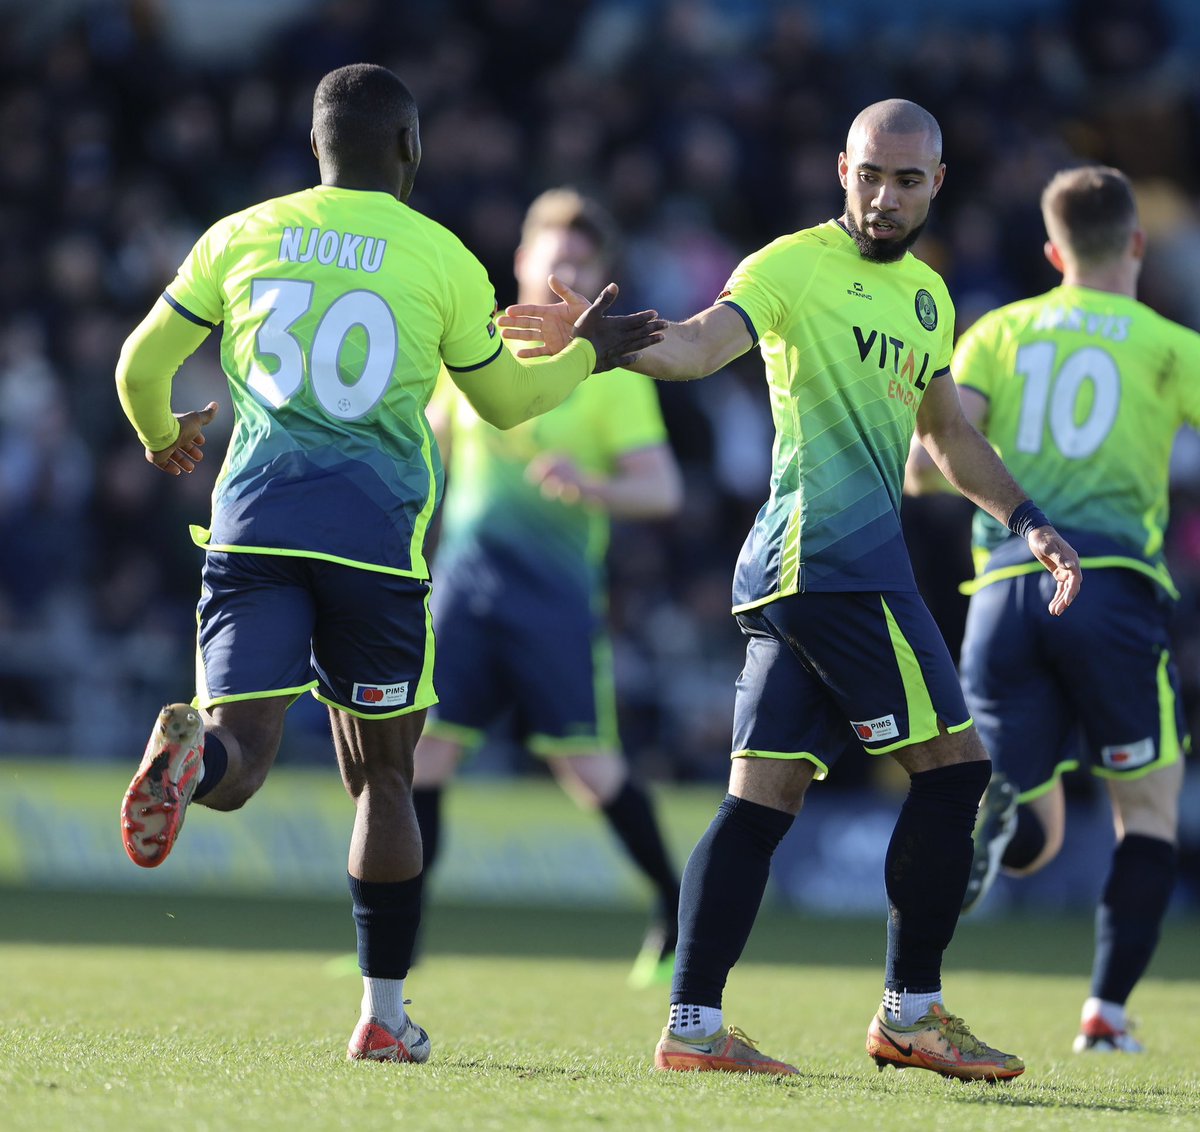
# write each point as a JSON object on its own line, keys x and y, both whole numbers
{"x": 1056, "y": 395}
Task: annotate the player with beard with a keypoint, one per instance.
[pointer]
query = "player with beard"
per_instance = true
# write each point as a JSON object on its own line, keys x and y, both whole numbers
{"x": 857, "y": 337}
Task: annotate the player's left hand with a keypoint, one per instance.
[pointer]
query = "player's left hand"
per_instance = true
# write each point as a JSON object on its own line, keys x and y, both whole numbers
{"x": 1059, "y": 557}
{"x": 557, "y": 477}
{"x": 550, "y": 324}
{"x": 186, "y": 452}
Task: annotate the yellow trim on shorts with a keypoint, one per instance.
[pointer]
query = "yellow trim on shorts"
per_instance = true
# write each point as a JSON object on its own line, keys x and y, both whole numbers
{"x": 408, "y": 709}
{"x": 423, "y": 697}
{"x": 759, "y": 602}
{"x": 808, "y": 756}
{"x": 205, "y": 702}
{"x": 559, "y": 746}
{"x": 606, "y": 740}
{"x": 923, "y": 722}
{"x": 1170, "y": 750}
{"x": 201, "y": 535}
{"x": 1045, "y": 788}
{"x": 469, "y": 738}
{"x": 1157, "y": 574}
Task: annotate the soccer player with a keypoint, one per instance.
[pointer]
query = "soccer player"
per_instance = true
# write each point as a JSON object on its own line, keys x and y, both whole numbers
{"x": 1082, "y": 390}
{"x": 857, "y": 336}
{"x": 519, "y": 602}
{"x": 339, "y": 306}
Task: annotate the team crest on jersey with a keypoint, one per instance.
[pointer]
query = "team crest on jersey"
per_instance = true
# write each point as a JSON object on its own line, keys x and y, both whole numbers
{"x": 1128, "y": 756}
{"x": 926, "y": 309}
{"x": 380, "y": 695}
{"x": 873, "y": 730}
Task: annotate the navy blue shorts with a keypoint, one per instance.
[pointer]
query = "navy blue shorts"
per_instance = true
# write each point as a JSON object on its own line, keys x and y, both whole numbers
{"x": 529, "y": 654}
{"x": 277, "y": 625}
{"x": 1099, "y": 680}
{"x": 825, "y": 671}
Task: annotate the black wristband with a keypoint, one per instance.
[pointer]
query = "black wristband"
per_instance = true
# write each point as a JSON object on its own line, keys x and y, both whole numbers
{"x": 1026, "y": 517}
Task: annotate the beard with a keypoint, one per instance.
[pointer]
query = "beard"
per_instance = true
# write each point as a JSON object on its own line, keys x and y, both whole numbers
{"x": 881, "y": 251}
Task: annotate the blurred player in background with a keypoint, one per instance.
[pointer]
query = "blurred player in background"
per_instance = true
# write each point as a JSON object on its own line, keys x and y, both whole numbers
{"x": 520, "y": 598}
{"x": 339, "y": 305}
{"x": 857, "y": 336}
{"x": 1082, "y": 391}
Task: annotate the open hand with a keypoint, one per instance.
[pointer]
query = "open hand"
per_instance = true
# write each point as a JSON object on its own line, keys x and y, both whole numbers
{"x": 1057, "y": 555}
{"x": 187, "y": 451}
{"x": 550, "y": 325}
{"x": 618, "y": 339}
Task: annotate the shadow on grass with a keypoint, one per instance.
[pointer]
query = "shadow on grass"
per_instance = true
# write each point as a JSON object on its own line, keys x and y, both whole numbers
{"x": 1042, "y": 945}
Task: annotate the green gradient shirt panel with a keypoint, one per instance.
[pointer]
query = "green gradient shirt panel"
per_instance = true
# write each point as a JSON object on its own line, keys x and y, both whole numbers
{"x": 1086, "y": 391}
{"x": 850, "y": 347}
{"x": 490, "y": 502}
{"x": 339, "y": 307}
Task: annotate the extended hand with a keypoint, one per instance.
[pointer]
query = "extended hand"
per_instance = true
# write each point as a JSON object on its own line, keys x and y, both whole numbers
{"x": 552, "y": 325}
{"x": 1057, "y": 555}
{"x": 618, "y": 338}
{"x": 186, "y": 452}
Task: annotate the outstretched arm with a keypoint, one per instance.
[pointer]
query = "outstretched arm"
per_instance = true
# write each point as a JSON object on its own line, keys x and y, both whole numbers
{"x": 159, "y": 345}
{"x": 506, "y": 391}
{"x": 971, "y": 465}
{"x": 694, "y": 348}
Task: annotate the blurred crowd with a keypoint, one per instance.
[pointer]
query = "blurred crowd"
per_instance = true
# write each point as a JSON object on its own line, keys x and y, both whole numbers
{"x": 708, "y": 129}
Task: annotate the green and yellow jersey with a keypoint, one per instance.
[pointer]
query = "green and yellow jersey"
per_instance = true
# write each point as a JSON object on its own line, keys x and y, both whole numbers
{"x": 850, "y": 346}
{"x": 1086, "y": 391}
{"x": 339, "y": 307}
{"x": 493, "y": 507}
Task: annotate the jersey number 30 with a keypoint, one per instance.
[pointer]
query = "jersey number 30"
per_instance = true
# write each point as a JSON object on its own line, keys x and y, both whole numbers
{"x": 1056, "y": 395}
{"x": 283, "y": 302}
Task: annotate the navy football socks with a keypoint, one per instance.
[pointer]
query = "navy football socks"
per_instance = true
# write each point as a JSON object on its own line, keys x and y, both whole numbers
{"x": 926, "y": 870}
{"x": 1028, "y": 840}
{"x": 1130, "y": 915}
{"x": 387, "y": 916}
{"x": 723, "y": 886}
{"x": 632, "y": 819}
{"x": 216, "y": 763}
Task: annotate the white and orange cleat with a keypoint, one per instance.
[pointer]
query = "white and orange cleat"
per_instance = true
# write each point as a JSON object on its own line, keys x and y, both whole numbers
{"x": 726, "y": 1051}
{"x": 373, "y": 1041}
{"x": 154, "y": 805}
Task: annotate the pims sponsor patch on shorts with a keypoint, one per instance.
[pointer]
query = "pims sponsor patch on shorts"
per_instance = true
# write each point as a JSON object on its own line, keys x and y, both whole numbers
{"x": 874, "y": 730}
{"x": 380, "y": 695}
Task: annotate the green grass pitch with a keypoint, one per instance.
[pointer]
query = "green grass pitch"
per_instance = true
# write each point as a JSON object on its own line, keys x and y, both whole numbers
{"x": 176, "y": 1012}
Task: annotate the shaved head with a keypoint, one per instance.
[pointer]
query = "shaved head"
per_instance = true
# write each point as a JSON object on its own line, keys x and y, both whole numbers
{"x": 891, "y": 170}
{"x": 895, "y": 116}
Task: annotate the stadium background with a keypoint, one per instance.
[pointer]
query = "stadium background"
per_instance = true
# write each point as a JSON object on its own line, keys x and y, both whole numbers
{"x": 129, "y": 125}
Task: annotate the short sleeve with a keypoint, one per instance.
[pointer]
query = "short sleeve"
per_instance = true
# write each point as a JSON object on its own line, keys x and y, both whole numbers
{"x": 975, "y": 358}
{"x": 1187, "y": 350}
{"x": 196, "y": 291}
{"x": 763, "y": 287}
{"x": 947, "y": 320}
{"x": 470, "y": 339}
